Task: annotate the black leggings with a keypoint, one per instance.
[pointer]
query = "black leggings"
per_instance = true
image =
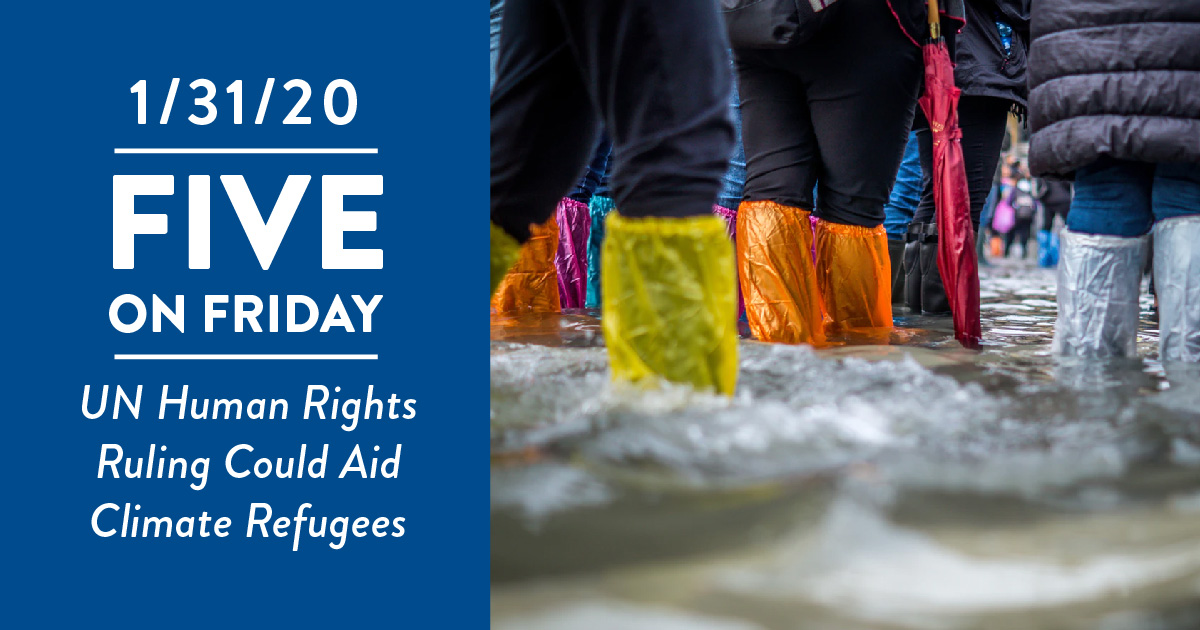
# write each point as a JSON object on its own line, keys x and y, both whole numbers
{"x": 654, "y": 72}
{"x": 834, "y": 112}
{"x": 982, "y": 120}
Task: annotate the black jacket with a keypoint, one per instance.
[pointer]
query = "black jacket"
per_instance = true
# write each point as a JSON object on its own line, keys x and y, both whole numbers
{"x": 982, "y": 66}
{"x": 1117, "y": 78}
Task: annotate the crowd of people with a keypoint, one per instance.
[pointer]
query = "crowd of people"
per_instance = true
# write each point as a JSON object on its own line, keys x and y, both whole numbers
{"x": 791, "y": 184}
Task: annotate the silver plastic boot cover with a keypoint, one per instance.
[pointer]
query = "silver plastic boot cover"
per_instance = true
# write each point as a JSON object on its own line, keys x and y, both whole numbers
{"x": 1177, "y": 283}
{"x": 1099, "y": 283}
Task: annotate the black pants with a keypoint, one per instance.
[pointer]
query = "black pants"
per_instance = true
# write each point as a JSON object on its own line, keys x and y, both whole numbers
{"x": 982, "y": 120}
{"x": 655, "y": 73}
{"x": 834, "y": 112}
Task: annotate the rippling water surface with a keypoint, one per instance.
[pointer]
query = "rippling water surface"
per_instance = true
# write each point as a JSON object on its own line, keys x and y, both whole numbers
{"x": 907, "y": 485}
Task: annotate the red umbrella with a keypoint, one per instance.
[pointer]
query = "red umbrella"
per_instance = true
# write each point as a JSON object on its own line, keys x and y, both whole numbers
{"x": 956, "y": 236}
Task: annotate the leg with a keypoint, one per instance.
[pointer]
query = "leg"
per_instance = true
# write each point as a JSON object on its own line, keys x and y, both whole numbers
{"x": 734, "y": 184}
{"x": 574, "y": 230}
{"x": 1101, "y": 259}
{"x": 658, "y": 72}
{"x": 543, "y": 125}
{"x": 599, "y": 206}
{"x": 906, "y": 192}
{"x": 775, "y": 236}
{"x": 1022, "y": 231}
{"x": 982, "y": 120}
{"x": 862, "y": 99}
{"x": 898, "y": 213}
{"x": 1176, "y": 202}
{"x": 735, "y": 178}
{"x": 593, "y": 173}
{"x": 543, "y": 129}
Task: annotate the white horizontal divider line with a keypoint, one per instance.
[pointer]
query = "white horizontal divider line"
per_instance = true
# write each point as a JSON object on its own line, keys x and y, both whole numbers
{"x": 245, "y": 357}
{"x": 210, "y": 151}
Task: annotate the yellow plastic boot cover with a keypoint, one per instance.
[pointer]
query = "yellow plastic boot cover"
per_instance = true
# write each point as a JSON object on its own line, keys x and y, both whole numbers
{"x": 779, "y": 283}
{"x": 504, "y": 255}
{"x": 854, "y": 274}
{"x": 532, "y": 283}
{"x": 670, "y": 303}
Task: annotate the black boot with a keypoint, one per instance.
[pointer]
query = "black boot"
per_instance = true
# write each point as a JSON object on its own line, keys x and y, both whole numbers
{"x": 912, "y": 267}
{"x": 896, "y": 256}
{"x": 933, "y": 290}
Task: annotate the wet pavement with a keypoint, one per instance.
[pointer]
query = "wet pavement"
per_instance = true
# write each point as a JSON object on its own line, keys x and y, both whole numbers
{"x": 908, "y": 485}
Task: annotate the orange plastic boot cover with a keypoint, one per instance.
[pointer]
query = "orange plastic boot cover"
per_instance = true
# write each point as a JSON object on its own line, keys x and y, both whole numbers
{"x": 775, "y": 267}
{"x": 531, "y": 286}
{"x": 855, "y": 275}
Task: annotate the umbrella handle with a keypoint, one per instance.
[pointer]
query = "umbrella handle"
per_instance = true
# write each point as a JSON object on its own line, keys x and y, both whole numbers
{"x": 935, "y": 22}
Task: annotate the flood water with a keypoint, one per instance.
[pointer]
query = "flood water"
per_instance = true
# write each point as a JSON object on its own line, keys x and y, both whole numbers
{"x": 909, "y": 485}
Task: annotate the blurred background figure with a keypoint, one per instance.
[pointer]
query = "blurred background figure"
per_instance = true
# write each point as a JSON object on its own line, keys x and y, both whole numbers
{"x": 1024, "y": 208}
{"x": 1054, "y": 195}
{"x": 1117, "y": 104}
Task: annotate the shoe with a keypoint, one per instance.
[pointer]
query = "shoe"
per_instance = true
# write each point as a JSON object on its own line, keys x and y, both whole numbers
{"x": 570, "y": 259}
{"x": 1099, "y": 286}
{"x": 896, "y": 259}
{"x": 531, "y": 285}
{"x": 912, "y": 266}
{"x": 598, "y": 210}
{"x": 854, "y": 276}
{"x": 670, "y": 303}
{"x": 775, "y": 266}
{"x": 933, "y": 291}
{"x": 924, "y": 291}
{"x": 1177, "y": 285}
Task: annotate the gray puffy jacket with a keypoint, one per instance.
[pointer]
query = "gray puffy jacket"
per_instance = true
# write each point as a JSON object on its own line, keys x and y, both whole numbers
{"x": 1117, "y": 78}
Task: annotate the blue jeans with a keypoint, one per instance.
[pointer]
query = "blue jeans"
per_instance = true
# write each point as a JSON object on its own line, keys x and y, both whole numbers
{"x": 906, "y": 193}
{"x": 1123, "y": 198}
{"x": 595, "y": 176}
{"x": 734, "y": 182}
{"x": 497, "y": 18}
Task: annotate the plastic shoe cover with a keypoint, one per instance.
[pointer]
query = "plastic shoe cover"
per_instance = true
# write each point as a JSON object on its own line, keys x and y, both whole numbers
{"x": 896, "y": 260}
{"x": 532, "y": 283}
{"x": 776, "y": 270}
{"x": 574, "y": 224}
{"x": 669, "y": 309}
{"x": 1047, "y": 248}
{"x": 730, "y": 218}
{"x": 854, "y": 275}
{"x": 1043, "y": 241}
{"x": 1099, "y": 283}
{"x": 598, "y": 209}
{"x": 1177, "y": 280}
{"x": 504, "y": 255}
